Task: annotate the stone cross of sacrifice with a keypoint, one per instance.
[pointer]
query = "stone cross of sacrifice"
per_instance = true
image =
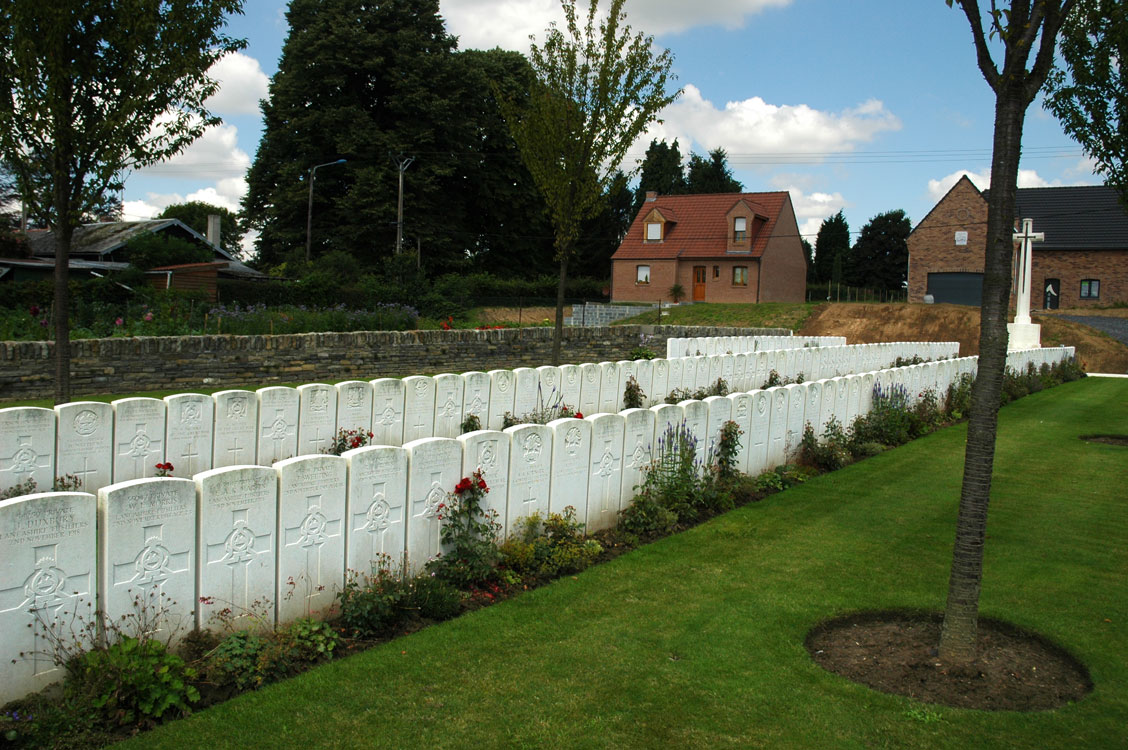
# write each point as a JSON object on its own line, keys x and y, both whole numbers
{"x": 1027, "y": 237}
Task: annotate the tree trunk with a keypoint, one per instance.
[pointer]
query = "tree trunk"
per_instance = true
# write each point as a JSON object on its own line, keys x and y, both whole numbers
{"x": 958, "y": 635}
{"x": 558, "y": 330}
{"x": 63, "y": 234}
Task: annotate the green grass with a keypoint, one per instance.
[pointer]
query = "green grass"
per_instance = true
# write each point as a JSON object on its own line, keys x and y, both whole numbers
{"x": 766, "y": 314}
{"x": 697, "y": 640}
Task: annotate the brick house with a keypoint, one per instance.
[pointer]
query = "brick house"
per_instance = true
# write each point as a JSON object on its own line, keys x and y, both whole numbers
{"x": 724, "y": 247}
{"x": 1082, "y": 262}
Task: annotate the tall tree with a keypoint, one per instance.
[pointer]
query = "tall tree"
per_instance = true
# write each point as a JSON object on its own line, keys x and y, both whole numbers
{"x": 596, "y": 88}
{"x": 661, "y": 172}
{"x": 1088, "y": 89}
{"x": 89, "y": 88}
{"x": 880, "y": 257}
{"x": 602, "y": 233}
{"x": 711, "y": 175}
{"x": 195, "y": 215}
{"x": 369, "y": 83}
{"x": 809, "y": 255}
{"x": 831, "y": 245}
{"x": 1027, "y": 27}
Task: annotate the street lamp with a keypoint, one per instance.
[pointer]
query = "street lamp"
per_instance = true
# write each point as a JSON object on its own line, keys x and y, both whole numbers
{"x": 309, "y": 213}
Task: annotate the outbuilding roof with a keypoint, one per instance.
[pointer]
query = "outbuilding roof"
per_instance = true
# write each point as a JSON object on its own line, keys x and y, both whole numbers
{"x": 1075, "y": 218}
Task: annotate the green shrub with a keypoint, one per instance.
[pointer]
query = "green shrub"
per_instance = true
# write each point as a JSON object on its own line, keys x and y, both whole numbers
{"x": 958, "y": 401}
{"x": 646, "y": 517}
{"x": 132, "y": 680}
{"x": 727, "y": 450}
{"x": 370, "y": 603}
{"x": 633, "y": 395}
{"x": 546, "y": 547}
{"x": 469, "y": 535}
{"x": 431, "y": 597}
{"x": 888, "y": 421}
{"x": 829, "y": 454}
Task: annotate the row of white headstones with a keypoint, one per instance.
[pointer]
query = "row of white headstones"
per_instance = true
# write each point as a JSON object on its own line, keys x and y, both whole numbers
{"x": 279, "y": 541}
{"x": 101, "y": 444}
{"x": 693, "y": 346}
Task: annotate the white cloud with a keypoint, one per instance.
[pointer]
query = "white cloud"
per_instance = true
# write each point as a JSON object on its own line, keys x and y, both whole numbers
{"x": 755, "y": 132}
{"x": 484, "y": 24}
{"x": 241, "y": 85}
{"x": 1027, "y": 178}
{"x": 811, "y": 209}
{"x": 216, "y": 153}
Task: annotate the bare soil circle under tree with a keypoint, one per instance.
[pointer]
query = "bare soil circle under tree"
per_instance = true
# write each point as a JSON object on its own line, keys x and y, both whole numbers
{"x": 895, "y": 652}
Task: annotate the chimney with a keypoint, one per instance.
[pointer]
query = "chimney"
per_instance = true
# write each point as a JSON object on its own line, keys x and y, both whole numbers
{"x": 213, "y": 229}
{"x": 651, "y": 196}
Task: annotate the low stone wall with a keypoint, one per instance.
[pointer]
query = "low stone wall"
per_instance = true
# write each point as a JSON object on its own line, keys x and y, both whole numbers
{"x": 127, "y": 365}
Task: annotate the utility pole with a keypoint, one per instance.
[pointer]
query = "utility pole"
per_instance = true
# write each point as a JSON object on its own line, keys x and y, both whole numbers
{"x": 402, "y": 162}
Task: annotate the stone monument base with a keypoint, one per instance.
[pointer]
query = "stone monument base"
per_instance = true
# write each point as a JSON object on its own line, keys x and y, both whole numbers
{"x": 1024, "y": 336}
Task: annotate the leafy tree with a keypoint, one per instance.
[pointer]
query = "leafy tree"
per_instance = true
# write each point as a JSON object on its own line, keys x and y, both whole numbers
{"x": 1027, "y": 27}
{"x": 711, "y": 175}
{"x": 194, "y": 214}
{"x": 367, "y": 82}
{"x": 661, "y": 172}
{"x": 151, "y": 250}
{"x": 595, "y": 89}
{"x": 832, "y": 244}
{"x": 601, "y": 234}
{"x": 809, "y": 254}
{"x": 90, "y": 88}
{"x": 880, "y": 257}
{"x": 1088, "y": 90}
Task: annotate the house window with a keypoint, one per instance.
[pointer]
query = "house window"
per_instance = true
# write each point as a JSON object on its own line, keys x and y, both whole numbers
{"x": 654, "y": 231}
{"x": 1090, "y": 288}
{"x": 739, "y": 229}
{"x": 740, "y": 276}
{"x": 643, "y": 274}
{"x": 716, "y": 272}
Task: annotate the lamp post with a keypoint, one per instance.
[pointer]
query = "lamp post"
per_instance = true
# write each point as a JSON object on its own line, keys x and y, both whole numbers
{"x": 309, "y": 212}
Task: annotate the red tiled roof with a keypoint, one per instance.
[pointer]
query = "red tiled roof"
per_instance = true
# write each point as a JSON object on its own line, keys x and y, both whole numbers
{"x": 701, "y": 229}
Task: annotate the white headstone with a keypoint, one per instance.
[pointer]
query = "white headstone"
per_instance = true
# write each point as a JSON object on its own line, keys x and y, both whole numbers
{"x": 527, "y": 397}
{"x": 716, "y": 368}
{"x": 434, "y": 469}
{"x": 47, "y": 576}
{"x": 742, "y": 415}
{"x": 697, "y": 423}
{"x": 610, "y": 396}
{"x": 817, "y": 409}
{"x": 311, "y": 534}
{"x": 448, "y": 405}
{"x": 740, "y": 373}
{"x": 865, "y": 393}
{"x": 591, "y": 379}
{"x": 660, "y": 381}
{"x": 758, "y": 432}
{"x": 675, "y": 379}
{"x": 571, "y": 380}
{"x": 530, "y": 472}
{"x": 147, "y": 552}
{"x": 84, "y": 445}
{"x": 476, "y": 397}
{"x": 376, "y": 501}
{"x": 720, "y": 411}
{"x": 796, "y": 418}
{"x": 638, "y": 450}
{"x": 236, "y": 428}
{"x": 189, "y": 433}
{"x": 237, "y": 517}
{"x": 317, "y": 420}
{"x": 626, "y": 372}
{"x": 278, "y": 413}
{"x": 667, "y": 417}
{"x": 502, "y": 391}
{"x": 387, "y": 411}
{"x": 354, "y": 405}
{"x": 550, "y": 387}
{"x": 644, "y": 374}
{"x": 605, "y": 486}
{"x": 419, "y": 408}
{"x": 842, "y": 401}
{"x": 139, "y": 429}
{"x": 27, "y": 447}
{"x": 777, "y": 426}
{"x": 571, "y": 451}
{"x": 488, "y": 451}
{"x": 703, "y": 368}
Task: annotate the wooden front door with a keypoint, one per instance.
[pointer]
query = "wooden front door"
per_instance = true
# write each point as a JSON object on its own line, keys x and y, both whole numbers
{"x": 699, "y": 283}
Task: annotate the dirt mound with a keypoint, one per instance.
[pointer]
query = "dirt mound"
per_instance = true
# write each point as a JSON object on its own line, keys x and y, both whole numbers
{"x": 873, "y": 323}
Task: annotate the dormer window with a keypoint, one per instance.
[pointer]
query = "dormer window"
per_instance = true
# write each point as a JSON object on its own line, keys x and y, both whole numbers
{"x": 654, "y": 231}
{"x": 739, "y": 229}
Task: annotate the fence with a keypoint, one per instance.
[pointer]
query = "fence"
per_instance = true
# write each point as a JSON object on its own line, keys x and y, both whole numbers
{"x": 286, "y": 534}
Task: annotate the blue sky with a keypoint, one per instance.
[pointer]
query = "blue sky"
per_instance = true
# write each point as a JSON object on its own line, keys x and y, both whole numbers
{"x": 860, "y": 105}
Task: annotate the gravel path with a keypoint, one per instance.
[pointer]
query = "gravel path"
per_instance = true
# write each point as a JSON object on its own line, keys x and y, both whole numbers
{"x": 1115, "y": 327}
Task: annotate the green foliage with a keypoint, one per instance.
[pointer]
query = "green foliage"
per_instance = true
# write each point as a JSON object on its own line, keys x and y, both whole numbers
{"x": 832, "y": 249}
{"x": 642, "y": 352}
{"x": 431, "y": 597}
{"x": 549, "y": 547}
{"x": 727, "y": 450}
{"x": 829, "y": 454}
{"x": 132, "y": 680}
{"x": 880, "y": 256}
{"x": 369, "y": 604}
{"x": 633, "y": 395}
{"x": 711, "y": 175}
{"x": 469, "y": 534}
{"x": 718, "y": 388}
{"x": 646, "y": 517}
{"x": 194, "y": 215}
{"x": 347, "y": 440}
{"x": 471, "y": 423}
{"x": 677, "y": 293}
{"x": 1087, "y": 88}
{"x": 888, "y": 421}
{"x": 152, "y": 250}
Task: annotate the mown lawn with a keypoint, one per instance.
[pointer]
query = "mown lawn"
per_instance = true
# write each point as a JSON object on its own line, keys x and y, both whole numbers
{"x": 740, "y": 315}
{"x": 697, "y": 640}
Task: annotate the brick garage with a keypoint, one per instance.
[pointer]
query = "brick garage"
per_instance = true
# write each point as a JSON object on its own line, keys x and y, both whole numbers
{"x": 1082, "y": 262}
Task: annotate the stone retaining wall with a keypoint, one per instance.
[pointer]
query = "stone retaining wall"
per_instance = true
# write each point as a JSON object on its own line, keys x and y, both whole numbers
{"x": 127, "y": 365}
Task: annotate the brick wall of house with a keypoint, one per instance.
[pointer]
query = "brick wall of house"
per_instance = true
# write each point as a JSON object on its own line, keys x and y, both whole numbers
{"x": 785, "y": 266}
{"x": 1110, "y": 267}
{"x": 184, "y": 363}
{"x": 625, "y": 287}
{"x": 932, "y": 245}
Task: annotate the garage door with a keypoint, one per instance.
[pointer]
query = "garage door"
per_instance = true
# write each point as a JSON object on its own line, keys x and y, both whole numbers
{"x": 956, "y": 288}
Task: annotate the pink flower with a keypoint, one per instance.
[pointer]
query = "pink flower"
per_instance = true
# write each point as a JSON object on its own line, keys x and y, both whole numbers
{"x": 119, "y": 322}
{"x": 148, "y": 316}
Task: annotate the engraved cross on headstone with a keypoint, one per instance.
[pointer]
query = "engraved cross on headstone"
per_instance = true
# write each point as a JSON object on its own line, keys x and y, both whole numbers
{"x": 237, "y": 551}
{"x": 25, "y": 460}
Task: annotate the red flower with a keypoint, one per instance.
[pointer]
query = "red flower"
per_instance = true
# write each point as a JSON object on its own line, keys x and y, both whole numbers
{"x": 579, "y": 415}
{"x": 482, "y": 485}
{"x": 463, "y": 485}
